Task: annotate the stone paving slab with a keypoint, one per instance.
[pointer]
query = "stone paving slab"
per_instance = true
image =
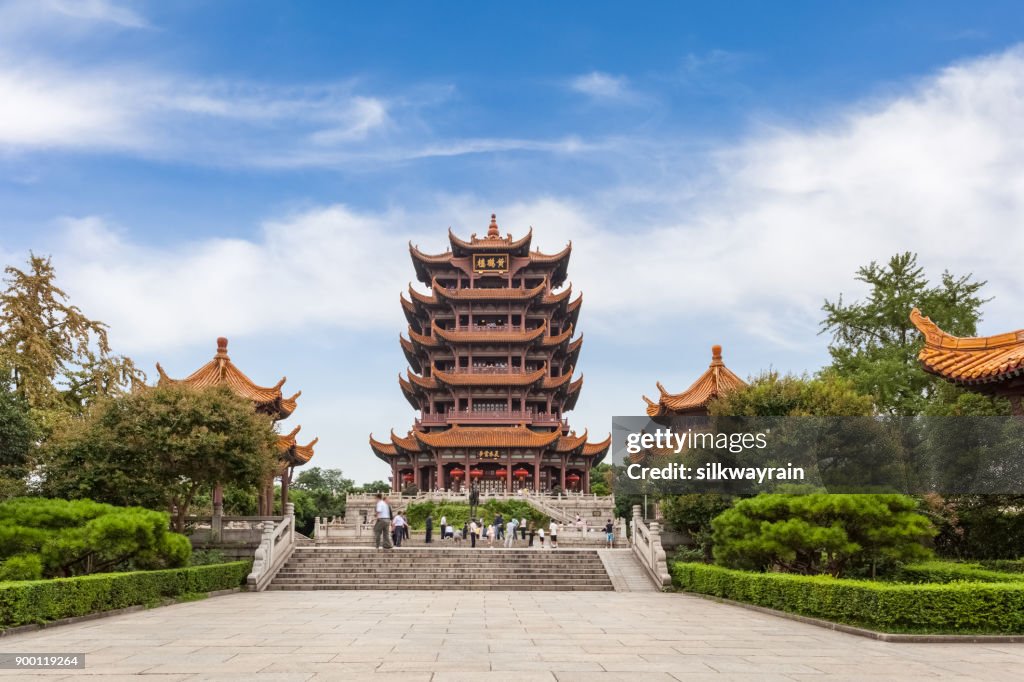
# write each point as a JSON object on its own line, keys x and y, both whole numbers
{"x": 517, "y": 636}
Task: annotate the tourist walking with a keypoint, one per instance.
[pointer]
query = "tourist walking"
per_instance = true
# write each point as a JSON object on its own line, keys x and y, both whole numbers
{"x": 522, "y": 527}
{"x": 429, "y": 524}
{"x": 444, "y": 526}
{"x": 609, "y": 533}
{"x": 532, "y": 530}
{"x": 399, "y": 529}
{"x": 382, "y": 526}
{"x": 579, "y": 524}
{"x": 553, "y": 528}
{"x": 474, "y": 530}
{"x": 490, "y": 536}
{"x": 540, "y": 538}
{"x": 510, "y": 533}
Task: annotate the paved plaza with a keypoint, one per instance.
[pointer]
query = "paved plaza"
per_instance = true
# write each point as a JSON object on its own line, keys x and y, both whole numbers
{"x": 522, "y": 637}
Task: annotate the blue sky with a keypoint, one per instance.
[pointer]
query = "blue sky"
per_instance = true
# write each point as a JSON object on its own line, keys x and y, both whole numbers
{"x": 256, "y": 170}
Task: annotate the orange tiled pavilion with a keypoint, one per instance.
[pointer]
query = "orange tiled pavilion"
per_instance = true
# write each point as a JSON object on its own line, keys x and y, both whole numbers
{"x": 220, "y": 371}
{"x": 993, "y": 365}
{"x": 715, "y": 381}
{"x": 491, "y": 355}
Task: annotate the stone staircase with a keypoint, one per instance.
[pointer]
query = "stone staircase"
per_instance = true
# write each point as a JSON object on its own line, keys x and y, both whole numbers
{"x": 355, "y": 568}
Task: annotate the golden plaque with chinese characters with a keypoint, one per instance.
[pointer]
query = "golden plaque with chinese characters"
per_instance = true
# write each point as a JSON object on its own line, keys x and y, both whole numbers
{"x": 493, "y": 262}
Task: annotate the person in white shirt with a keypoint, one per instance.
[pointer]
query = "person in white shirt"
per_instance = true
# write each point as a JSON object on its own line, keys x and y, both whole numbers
{"x": 382, "y": 526}
{"x": 510, "y": 532}
{"x": 554, "y": 534}
{"x": 522, "y": 527}
{"x": 444, "y": 527}
{"x": 474, "y": 530}
{"x": 398, "y": 529}
{"x": 540, "y": 538}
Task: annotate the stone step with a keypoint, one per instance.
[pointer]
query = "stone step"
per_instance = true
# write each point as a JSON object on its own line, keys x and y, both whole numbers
{"x": 448, "y": 587}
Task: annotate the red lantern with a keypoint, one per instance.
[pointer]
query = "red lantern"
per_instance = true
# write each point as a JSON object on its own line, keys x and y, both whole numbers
{"x": 457, "y": 473}
{"x": 520, "y": 473}
{"x": 501, "y": 472}
{"x": 408, "y": 478}
{"x": 476, "y": 473}
{"x": 572, "y": 477}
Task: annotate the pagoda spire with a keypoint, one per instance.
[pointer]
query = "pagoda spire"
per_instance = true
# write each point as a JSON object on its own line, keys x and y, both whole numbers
{"x": 492, "y": 229}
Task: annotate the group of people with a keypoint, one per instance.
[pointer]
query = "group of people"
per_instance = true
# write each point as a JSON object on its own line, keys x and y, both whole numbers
{"x": 391, "y": 528}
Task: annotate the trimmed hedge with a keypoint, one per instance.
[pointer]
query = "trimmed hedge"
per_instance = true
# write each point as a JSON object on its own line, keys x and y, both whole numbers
{"x": 949, "y": 572}
{"x": 1007, "y": 565}
{"x": 953, "y": 608}
{"x": 37, "y": 601}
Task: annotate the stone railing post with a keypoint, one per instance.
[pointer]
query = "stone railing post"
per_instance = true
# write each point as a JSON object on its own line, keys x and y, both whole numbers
{"x": 319, "y": 531}
{"x": 289, "y": 510}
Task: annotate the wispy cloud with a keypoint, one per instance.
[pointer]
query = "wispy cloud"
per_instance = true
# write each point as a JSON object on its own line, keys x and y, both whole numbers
{"x": 783, "y": 221}
{"x": 602, "y": 86}
{"x": 28, "y": 19}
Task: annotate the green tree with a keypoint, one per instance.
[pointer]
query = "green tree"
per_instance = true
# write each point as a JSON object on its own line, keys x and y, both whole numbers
{"x": 318, "y": 492}
{"x": 16, "y": 438}
{"x": 772, "y": 395}
{"x": 159, "y": 447}
{"x": 874, "y": 344}
{"x": 53, "y": 353}
{"x": 61, "y": 538}
{"x": 374, "y": 487}
{"x": 693, "y": 514}
{"x": 820, "y": 533}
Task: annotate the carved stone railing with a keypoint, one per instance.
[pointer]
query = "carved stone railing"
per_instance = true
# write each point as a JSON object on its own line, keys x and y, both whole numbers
{"x": 646, "y": 541}
{"x": 275, "y": 547}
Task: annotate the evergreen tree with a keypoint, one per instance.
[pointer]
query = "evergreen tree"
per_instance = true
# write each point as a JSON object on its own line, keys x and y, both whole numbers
{"x": 875, "y": 345}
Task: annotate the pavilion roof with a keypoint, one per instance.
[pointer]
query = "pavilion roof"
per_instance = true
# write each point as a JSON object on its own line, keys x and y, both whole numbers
{"x": 558, "y": 339}
{"x": 601, "y": 448}
{"x": 559, "y": 381}
{"x": 379, "y": 448}
{"x": 220, "y": 371}
{"x": 423, "y": 339}
{"x": 491, "y": 379}
{"x": 488, "y": 437}
{"x": 715, "y": 381}
{"x": 570, "y": 442}
{"x": 290, "y": 452}
{"x": 492, "y": 241}
{"x": 550, "y": 299}
{"x": 969, "y": 360}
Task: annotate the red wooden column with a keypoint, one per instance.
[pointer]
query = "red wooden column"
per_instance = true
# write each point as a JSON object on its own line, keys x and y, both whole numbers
{"x": 564, "y": 465}
{"x": 508, "y": 474}
{"x": 440, "y": 473}
{"x": 586, "y": 478}
{"x": 536, "y": 474}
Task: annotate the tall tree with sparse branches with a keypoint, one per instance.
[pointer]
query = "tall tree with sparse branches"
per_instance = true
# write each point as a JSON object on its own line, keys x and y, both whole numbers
{"x": 56, "y": 358}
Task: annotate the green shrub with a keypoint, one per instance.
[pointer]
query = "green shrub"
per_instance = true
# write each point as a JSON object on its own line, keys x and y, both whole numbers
{"x": 949, "y": 572}
{"x": 79, "y": 537}
{"x": 1005, "y": 565}
{"x": 22, "y": 567}
{"x": 38, "y": 601}
{"x": 206, "y": 557}
{"x": 819, "y": 533}
{"x": 952, "y": 608}
{"x": 457, "y": 513}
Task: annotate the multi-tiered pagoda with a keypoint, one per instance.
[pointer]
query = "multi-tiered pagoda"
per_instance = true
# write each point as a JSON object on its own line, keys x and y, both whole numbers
{"x": 492, "y": 355}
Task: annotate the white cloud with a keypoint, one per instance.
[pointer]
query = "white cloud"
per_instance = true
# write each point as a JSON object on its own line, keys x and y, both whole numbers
{"x": 601, "y": 85}
{"x": 27, "y": 20}
{"x": 790, "y": 214}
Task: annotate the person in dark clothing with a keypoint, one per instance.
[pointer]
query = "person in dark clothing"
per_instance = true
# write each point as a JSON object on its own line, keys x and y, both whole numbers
{"x": 465, "y": 530}
{"x": 532, "y": 531}
{"x": 429, "y": 523}
{"x": 499, "y": 527}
